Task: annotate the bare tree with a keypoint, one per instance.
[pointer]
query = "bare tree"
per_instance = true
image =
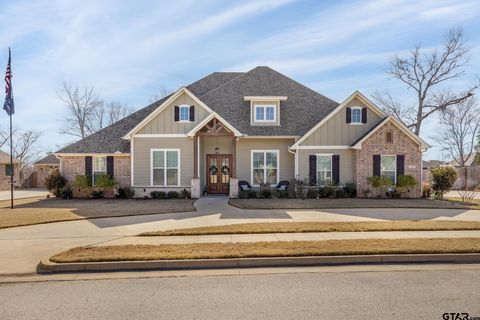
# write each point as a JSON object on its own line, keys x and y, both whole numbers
{"x": 427, "y": 73}
{"x": 25, "y": 146}
{"x": 459, "y": 128}
{"x": 105, "y": 114}
{"x": 163, "y": 91}
{"x": 80, "y": 105}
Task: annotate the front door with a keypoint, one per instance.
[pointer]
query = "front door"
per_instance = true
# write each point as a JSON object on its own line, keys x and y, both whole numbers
{"x": 218, "y": 173}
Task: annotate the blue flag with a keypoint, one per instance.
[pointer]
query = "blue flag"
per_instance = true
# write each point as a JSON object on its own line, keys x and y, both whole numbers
{"x": 8, "y": 106}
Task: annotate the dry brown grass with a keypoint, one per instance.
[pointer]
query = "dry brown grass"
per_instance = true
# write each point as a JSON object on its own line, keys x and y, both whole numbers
{"x": 326, "y": 203}
{"x": 41, "y": 210}
{"x": 291, "y": 227}
{"x": 267, "y": 249}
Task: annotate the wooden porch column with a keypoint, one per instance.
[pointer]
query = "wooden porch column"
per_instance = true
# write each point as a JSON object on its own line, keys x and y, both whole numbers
{"x": 195, "y": 157}
{"x": 234, "y": 158}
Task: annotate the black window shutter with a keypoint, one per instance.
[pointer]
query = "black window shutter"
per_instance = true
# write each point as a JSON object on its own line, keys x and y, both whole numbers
{"x": 349, "y": 115}
{"x": 312, "y": 169}
{"x": 110, "y": 165}
{"x": 336, "y": 169}
{"x": 192, "y": 113}
{"x": 88, "y": 166}
{"x": 364, "y": 115}
{"x": 376, "y": 165}
{"x": 400, "y": 165}
{"x": 177, "y": 113}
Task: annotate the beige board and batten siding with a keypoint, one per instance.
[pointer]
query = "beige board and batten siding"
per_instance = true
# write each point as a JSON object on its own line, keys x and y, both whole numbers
{"x": 244, "y": 161}
{"x": 142, "y": 159}
{"x": 164, "y": 122}
{"x": 336, "y": 131}
{"x": 347, "y": 163}
{"x": 264, "y": 103}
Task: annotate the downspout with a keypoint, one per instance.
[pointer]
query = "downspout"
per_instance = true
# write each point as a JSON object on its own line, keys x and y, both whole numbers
{"x": 296, "y": 161}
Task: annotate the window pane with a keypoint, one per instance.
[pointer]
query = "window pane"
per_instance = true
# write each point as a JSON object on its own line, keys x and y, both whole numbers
{"x": 184, "y": 113}
{"x": 324, "y": 163}
{"x": 388, "y": 163}
{"x": 260, "y": 113}
{"x": 271, "y": 159}
{"x": 158, "y": 159}
{"x": 356, "y": 115}
{"x": 258, "y": 159}
{"x": 324, "y": 177}
{"x": 272, "y": 176}
{"x": 95, "y": 176}
{"x": 270, "y": 113}
{"x": 158, "y": 177}
{"x": 172, "y": 159}
{"x": 100, "y": 163}
{"x": 257, "y": 176}
{"x": 390, "y": 174}
{"x": 172, "y": 177}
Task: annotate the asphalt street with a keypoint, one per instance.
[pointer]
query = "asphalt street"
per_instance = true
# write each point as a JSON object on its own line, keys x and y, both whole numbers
{"x": 398, "y": 294}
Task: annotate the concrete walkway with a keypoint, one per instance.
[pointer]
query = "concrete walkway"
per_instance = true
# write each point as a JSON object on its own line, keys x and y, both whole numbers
{"x": 22, "y": 248}
{"x": 23, "y": 193}
{"x": 275, "y": 237}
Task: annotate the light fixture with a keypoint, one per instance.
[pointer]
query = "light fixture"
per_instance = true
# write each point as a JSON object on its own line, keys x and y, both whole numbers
{"x": 217, "y": 150}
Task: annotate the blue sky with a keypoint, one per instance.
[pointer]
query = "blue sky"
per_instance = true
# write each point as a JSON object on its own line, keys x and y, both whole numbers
{"x": 127, "y": 51}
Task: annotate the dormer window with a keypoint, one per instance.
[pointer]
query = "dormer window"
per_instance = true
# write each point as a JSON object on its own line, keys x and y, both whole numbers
{"x": 265, "y": 113}
{"x": 184, "y": 113}
{"x": 356, "y": 115}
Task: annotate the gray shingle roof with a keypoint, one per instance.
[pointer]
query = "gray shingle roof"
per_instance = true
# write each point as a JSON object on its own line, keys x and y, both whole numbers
{"x": 224, "y": 93}
{"x": 50, "y": 159}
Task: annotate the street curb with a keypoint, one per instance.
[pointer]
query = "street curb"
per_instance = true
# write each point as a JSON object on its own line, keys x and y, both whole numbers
{"x": 46, "y": 266}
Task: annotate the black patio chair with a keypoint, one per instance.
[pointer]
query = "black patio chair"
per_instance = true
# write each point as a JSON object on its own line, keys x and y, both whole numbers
{"x": 282, "y": 185}
{"x": 244, "y": 185}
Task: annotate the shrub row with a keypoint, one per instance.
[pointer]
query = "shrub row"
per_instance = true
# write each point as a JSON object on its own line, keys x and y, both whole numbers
{"x": 184, "y": 194}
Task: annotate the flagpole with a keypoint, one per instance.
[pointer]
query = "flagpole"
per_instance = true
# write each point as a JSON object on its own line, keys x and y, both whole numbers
{"x": 11, "y": 143}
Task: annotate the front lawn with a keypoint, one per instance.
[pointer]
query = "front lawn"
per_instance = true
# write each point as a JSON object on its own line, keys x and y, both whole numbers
{"x": 42, "y": 210}
{"x": 345, "y": 203}
{"x": 268, "y": 249}
{"x": 293, "y": 227}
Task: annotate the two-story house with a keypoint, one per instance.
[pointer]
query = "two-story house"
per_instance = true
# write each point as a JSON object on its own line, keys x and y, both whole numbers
{"x": 259, "y": 126}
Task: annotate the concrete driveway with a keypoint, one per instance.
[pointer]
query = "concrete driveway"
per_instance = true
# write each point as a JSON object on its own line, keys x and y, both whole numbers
{"x": 23, "y": 193}
{"x": 22, "y": 248}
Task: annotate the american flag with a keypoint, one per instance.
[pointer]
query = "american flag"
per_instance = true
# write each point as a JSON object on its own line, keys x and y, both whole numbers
{"x": 8, "y": 105}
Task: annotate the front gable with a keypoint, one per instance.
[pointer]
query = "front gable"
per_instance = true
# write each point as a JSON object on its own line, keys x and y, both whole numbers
{"x": 336, "y": 130}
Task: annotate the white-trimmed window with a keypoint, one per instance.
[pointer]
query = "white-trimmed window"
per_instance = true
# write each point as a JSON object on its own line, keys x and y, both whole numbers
{"x": 265, "y": 167}
{"x": 388, "y": 167}
{"x": 165, "y": 165}
{"x": 265, "y": 113}
{"x": 356, "y": 115}
{"x": 99, "y": 167}
{"x": 324, "y": 169}
{"x": 184, "y": 113}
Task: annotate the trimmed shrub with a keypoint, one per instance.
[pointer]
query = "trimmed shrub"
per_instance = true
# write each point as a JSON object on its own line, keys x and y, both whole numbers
{"x": 312, "y": 193}
{"x": 340, "y": 193}
{"x": 66, "y": 192}
{"x": 426, "y": 191}
{"x": 97, "y": 194}
{"x": 82, "y": 182}
{"x": 442, "y": 180}
{"x": 125, "y": 193}
{"x": 105, "y": 181}
{"x": 282, "y": 194}
{"x": 381, "y": 183}
{"x": 328, "y": 191}
{"x": 266, "y": 194}
{"x": 172, "y": 194}
{"x": 55, "y": 182}
{"x": 405, "y": 184}
{"x": 243, "y": 194}
{"x": 158, "y": 195}
{"x": 185, "y": 194}
{"x": 252, "y": 194}
{"x": 350, "y": 189}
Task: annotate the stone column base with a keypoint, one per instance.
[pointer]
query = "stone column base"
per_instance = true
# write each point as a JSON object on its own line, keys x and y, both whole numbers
{"x": 195, "y": 188}
{"x": 233, "y": 188}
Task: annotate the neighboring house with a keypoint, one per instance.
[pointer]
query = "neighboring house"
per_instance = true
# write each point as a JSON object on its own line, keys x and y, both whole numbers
{"x": 428, "y": 165}
{"x": 43, "y": 168}
{"x": 471, "y": 169}
{"x": 259, "y": 126}
{"x": 5, "y": 171}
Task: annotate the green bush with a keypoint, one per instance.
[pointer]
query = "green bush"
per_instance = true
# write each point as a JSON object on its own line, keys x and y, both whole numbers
{"x": 350, "y": 189}
{"x": 442, "y": 180}
{"x": 185, "y": 194}
{"x": 172, "y": 194}
{"x": 252, "y": 194}
{"x": 55, "y": 182}
{"x": 328, "y": 191}
{"x": 426, "y": 191}
{"x": 312, "y": 193}
{"x": 104, "y": 180}
{"x": 82, "y": 182}
{"x": 405, "y": 183}
{"x": 66, "y": 192}
{"x": 125, "y": 193}
{"x": 340, "y": 193}
{"x": 381, "y": 183}
{"x": 158, "y": 195}
{"x": 282, "y": 194}
{"x": 266, "y": 194}
{"x": 97, "y": 194}
{"x": 243, "y": 194}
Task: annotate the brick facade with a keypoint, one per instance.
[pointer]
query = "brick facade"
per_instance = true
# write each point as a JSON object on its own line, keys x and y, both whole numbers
{"x": 376, "y": 145}
{"x": 75, "y": 166}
